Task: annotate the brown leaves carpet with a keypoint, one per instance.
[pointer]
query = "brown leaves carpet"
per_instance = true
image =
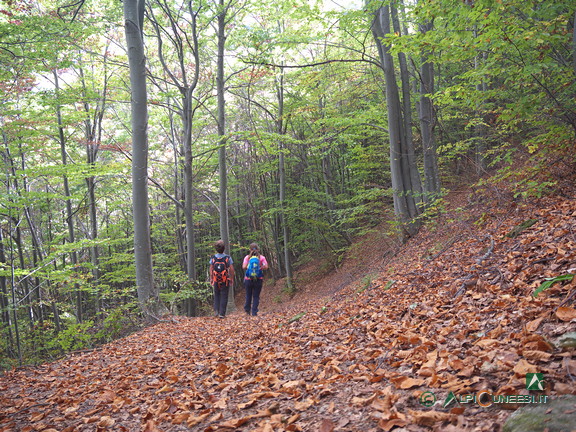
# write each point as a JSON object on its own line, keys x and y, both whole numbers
{"x": 450, "y": 311}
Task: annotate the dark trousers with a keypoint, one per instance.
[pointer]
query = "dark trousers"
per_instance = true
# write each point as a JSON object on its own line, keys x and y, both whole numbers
{"x": 253, "y": 290}
{"x": 221, "y": 299}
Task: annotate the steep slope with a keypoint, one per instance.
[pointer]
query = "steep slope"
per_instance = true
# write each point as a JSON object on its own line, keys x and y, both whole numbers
{"x": 451, "y": 311}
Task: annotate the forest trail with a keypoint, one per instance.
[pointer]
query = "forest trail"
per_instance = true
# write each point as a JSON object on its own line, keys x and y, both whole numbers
{"x": 450, "y": 311}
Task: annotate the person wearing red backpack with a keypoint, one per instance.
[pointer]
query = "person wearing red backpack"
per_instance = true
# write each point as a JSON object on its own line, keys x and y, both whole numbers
{"x": 254, "y": 263}
{"x": 221, "y": 278}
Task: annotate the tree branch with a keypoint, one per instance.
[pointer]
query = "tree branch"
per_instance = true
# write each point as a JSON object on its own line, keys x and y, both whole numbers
{"x": 282, "y": 66}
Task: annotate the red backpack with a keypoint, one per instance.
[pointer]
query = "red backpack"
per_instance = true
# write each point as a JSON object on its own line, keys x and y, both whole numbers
{"x": 220, "y": 271}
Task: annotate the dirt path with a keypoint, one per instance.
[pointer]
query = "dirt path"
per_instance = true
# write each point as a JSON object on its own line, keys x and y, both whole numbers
{"x": 450, "y": 311}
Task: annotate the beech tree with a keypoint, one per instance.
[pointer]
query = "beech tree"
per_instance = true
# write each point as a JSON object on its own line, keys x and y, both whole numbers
{"x": 147, "y": 291}
{"x": 427, "y": 117}
{"x": 406, "y": 184}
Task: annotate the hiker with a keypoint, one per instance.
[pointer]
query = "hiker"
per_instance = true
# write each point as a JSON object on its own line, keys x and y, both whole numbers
{"x": 221, "y": 278}
{"x": 254, "y": 264}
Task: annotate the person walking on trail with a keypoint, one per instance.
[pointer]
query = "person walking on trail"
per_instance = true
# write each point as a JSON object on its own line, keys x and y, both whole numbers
{"x": 221, "y": 278}
{"x": 254, "y": 263}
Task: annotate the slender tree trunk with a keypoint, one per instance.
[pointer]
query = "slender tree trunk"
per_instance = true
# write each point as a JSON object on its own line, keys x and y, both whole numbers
{"x": 480, "y": 129}
{"x": 4, "y": 296}
{"x": 92, "y": 146}
{"x": 13, "y": 291}
{"x": 224, "y": 233}
{"x": 574, "y": 44}
{"x": 427, "y": 121}
{"x": 188, "y": 186}
{"x": 282, "y": 180}
{"x": 326, "y": 166}
{"x": 148, "y": 295}
{"x": 180, "y": 80}
{"x": 188, "y": 198}
{"x": 178, "y": 194}
{"x": 13, "y": 187}
{"x": 411, "y": 175}
{"x": 222, "y": 170}
{"x": 9, "y": 164}
{"x": 36, "y": 244}
{"x": 69, "y": 214}
{"x": 51, "y": 289}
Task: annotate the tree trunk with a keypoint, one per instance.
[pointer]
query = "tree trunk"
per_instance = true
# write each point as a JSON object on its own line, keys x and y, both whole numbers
{"x": 13, "y": 287}
{"x": 412, "y": 176}
{"x": 224, "y": 229}
{"x": 427, "y": 122}
{"x": 4, "y": 297}
{"x": 148, "y": 295}
{"x": 405, "y": 206}
{"x": 37, "y": 253}
{"x": 574, "y": 43}
{"x": 282, "y": 180}
{"x": 92, "y": 146}
{"x": 188, "y": 198}
{"x": 480, "y": 129}
{"x": 188, "y": 187}
{"x": 69, "y": 214}
{"x": 180, "y": 80}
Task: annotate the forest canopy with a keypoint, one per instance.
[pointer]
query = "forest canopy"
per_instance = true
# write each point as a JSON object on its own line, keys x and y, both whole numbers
{"x": 296, "y": 124}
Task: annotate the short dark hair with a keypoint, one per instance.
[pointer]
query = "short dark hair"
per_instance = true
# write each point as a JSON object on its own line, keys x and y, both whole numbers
{"x": 219, "y": 246}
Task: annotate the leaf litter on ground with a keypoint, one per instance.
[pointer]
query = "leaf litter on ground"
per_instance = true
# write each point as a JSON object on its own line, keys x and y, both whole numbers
{"x": 452, "y": 310}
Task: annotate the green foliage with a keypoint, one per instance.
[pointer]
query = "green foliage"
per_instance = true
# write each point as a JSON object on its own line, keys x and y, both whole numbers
{"x": 75, "y": 337}
{"x": 186, "y": 289}
{"x": 388, "y": 285}
{"x": 551, "y": 281}
{"x": 366, "y": 283}
{"x": 518, "y": 229}
{"x": 119, "y": 322}
{"x": 289, "y": 289}
{"x": 296, "y": 317}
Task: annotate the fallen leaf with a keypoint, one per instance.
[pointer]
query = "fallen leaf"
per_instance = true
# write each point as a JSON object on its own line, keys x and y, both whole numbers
{"x": 566, "y": 313}
{"x": 193, "y": 420}
{"x": 293, "y": 419}
{"x": 430, "y": 418}
{"x": 304, "y": 405}
{"x": 326, "y": 426}
{"x": 362, "y": 401}
{"x": 404, "y": 382}
{"x": 166, "y": 388}
{"x": 533, "y": 325}
{"x": 247, "y": 404}
{"x": 235, "y": 423}
{"x": 293, "y": 384}
{"x": 486, "y": 342}
{"x": 221, "y": 404}
{"x": 150, "y": 426}
{"x": 106, "y": 421}
{"x": 36, "y": 417}
{"x": 536, "y": 355}
{"x": 387, "y": 425}
{"x": 523, "y": 367}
